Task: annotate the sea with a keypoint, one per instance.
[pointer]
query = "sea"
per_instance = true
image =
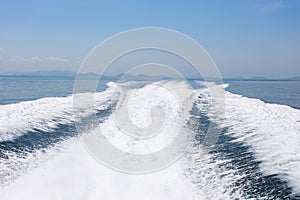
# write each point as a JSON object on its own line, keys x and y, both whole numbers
{"x": 256, "y": 154}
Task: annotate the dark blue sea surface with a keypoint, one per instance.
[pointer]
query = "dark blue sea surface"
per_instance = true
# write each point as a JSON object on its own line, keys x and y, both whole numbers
{"x": 279, "y": 92}
{"x": 14, "y": 89}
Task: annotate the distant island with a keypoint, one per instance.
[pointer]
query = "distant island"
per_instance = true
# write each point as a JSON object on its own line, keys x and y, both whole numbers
{"x": 131, "y": 77}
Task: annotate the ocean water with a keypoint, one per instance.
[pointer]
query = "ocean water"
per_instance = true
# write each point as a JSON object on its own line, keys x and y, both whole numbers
{"x": 18, "y": 89}
{"x": 279, "y": 92}
{"x": 257, "y": 154}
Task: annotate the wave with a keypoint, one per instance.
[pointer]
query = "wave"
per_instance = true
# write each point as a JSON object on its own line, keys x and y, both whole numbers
{"x": 155, "y": 108}
{"x": 74, "y": 174}
{"x": 210, "y": 176}
{"x": 47, "y": 114}
{"x": 68, "y": 171}
{"x": 270, "y": 130}
{"x": 195, "y": 176}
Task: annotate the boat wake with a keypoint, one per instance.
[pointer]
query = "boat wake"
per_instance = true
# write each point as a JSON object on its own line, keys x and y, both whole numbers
{"x": 256, "y": 154}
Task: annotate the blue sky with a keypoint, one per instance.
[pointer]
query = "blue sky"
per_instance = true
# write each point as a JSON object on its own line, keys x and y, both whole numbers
{"x": 245, "y": 38}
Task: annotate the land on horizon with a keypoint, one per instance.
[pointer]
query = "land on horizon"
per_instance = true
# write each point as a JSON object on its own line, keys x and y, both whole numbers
{"x": 64, "y": 73}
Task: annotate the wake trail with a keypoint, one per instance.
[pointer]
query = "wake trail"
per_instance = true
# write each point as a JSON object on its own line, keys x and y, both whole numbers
{"x": 74, "y": 174}
{"x": 268, "y": 137}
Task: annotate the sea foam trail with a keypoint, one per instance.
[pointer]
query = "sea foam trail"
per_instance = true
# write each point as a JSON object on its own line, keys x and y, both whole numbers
{"x": 74, "y": 174}
{"x": 46, "y": 114}
{"x": 175, "y": 98}
{"x": 197, "y": 169}
{"x": 272, "y": 131}
{"x": 209, "y": 179}
{"x": 33, "y": 141}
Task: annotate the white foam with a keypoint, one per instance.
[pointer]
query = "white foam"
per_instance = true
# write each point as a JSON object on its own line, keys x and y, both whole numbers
{"x": 210, "y": 181}
{"x": 19, "y": 163}
{"x": 272, "y": 131}
{"x": 74, "y": 174}
{"x": 139, "y": 103}
{"x": 45, "y": 114}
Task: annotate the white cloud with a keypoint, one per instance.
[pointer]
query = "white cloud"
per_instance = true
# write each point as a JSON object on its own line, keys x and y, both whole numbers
{"x": 269, "y": 7}
{"x": 56, "y": 59}
{"x": 17, "y": 59}
{"x": 35, "y": 59}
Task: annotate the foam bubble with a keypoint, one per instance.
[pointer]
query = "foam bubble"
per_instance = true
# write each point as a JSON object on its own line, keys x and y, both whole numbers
{"x": 271, "y": 131}
{"x": 45, "y": 114}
